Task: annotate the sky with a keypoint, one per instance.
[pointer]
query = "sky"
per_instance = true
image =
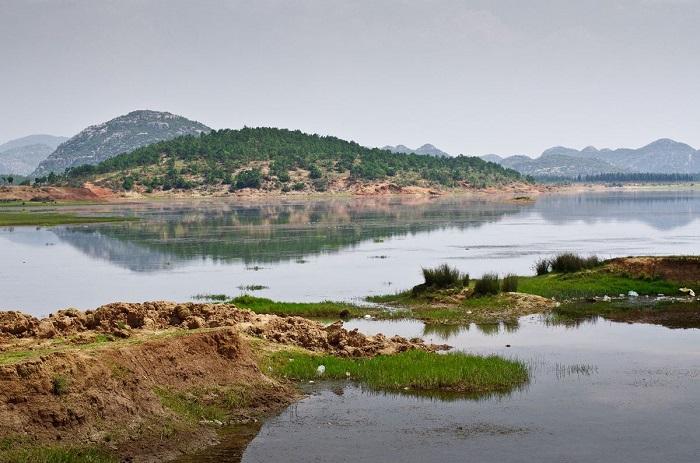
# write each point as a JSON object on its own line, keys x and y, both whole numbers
{"x": 470, "y": 76}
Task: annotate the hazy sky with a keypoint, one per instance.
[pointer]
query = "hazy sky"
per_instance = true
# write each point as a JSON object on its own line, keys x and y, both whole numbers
{"x": 469, "y": 76}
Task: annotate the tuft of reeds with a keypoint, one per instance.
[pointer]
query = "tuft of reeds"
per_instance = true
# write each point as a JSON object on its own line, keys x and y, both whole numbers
{"x": 489, "y": 284}
{"x": 444, "y": 276}
{"x": 509, "y": 284}
{"x": 566, "y": 262}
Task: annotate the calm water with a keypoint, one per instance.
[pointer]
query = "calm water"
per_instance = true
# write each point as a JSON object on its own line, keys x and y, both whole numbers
{"x": 336, "y": 249}
{"x": 599, "y": 391}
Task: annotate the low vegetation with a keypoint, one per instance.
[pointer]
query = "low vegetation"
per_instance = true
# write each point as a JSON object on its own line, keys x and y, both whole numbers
{"x": 45, "y": 219}
{"x": 279, "y": 160}
{"x": 416, "y": 370}
{"x": 566, "y": 262}
{"x": 444, "y": 276}
{"x": 488, "y": 284}
{"x": 11, "y": 452}
{"x": 326, "y": 309}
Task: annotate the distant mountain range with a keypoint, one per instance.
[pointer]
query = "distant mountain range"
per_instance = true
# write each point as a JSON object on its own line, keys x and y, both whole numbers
{"x": 426, "y": 149}
{"x": 23, "y": 155}
{"x": 123, "y": 134}
{"x": 664, "y": 156}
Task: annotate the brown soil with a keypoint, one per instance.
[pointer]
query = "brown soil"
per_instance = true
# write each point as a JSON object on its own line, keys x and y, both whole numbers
{"x": 51, "y": 193}
{"x": 672, "y": 268}
{"x": 73, "y": 387}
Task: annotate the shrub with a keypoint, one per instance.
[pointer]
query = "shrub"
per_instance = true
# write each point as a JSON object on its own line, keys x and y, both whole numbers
{"x": 320, "y": 184}
{"x": 542, "y": 266}
{"x": 445, "y": 276}
{"x": 315, "y": 172}
{"x": 488, "y": 284}
{"x": 283, "y": 176}
{"x": 59, "y": 385}
{"x": 298, "y": 186}
{"x": 509, "y": 283}
{"x": 569, "y": 262}
{"x": 251, "y": 178}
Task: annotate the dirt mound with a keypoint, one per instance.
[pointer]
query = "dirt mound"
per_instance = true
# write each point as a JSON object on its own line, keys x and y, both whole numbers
{"x": 51, "y": 193}
{"x": 673, "y": 268}
{"x": 146, "y": 396}
{"x": 111, "y": 397}
{"x": 127, "y": 319}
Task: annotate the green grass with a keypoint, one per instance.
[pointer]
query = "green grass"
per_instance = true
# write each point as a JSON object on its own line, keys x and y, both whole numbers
{"x": 592, "y": 283}
{"x": 415, "y": 369}
{"x": 189, "y": 405}
{"x": 326, "y": 309}
{"x": 52, "y": 454}
{"x": 46, "y": 219}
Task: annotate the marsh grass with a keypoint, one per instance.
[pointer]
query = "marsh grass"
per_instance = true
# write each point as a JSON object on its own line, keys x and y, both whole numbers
{"x": 444, "y": 276}
{"x": 591, "y": 283}
{"x": 415, "y": 369}
{"x": 55, "y": 454}
{"x": 489, "y": 284}
{"x": 566, "y": 262}
{"x": 509, "y": 284}
{"x": 326, "y": 309}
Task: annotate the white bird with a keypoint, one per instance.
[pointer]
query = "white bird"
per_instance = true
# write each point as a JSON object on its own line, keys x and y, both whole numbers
{"x": 320, "y": 370}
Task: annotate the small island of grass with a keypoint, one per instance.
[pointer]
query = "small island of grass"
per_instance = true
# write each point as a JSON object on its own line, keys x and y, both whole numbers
{"x": 646, "y": 289}
{"x": 415, "y": 370}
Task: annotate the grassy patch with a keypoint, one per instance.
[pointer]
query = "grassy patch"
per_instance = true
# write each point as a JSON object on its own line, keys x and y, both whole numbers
{"x": 54, "y": 454}
{"x": 326, "y": 309}
{"x": 10, "y": 219}
{"x": 416, "y": 370}
{"x": 592, "y": 283}
{"x": 189, "y": 405}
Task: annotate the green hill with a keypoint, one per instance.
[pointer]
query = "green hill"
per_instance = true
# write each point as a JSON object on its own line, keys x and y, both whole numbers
{"x": 277, "y": 159}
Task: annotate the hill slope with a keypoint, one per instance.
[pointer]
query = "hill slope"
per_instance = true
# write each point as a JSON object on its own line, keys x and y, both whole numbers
{"x": 279, "y": 159}
{"x": 22, "y": 160}
{"x": 120, "y": 135}
{"x": 23, "y": 155}
{"x": 51, "y": 141}
{"x": 663, "y": 156}
{"x": 427, "y": 149}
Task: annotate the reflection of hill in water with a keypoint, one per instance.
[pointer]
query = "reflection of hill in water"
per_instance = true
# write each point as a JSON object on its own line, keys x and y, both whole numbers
{"x": 271, "y": 233}
{"x": 259, "y": 233}
{"x": 663, "y": 210}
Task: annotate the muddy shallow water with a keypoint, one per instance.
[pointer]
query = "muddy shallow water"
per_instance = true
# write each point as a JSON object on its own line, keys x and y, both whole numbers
{"x": 339, "y": 249}
{"x": 599, "y": 392}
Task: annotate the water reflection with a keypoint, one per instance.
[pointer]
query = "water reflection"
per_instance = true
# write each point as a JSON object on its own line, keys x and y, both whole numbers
{"x": 171, "y": 235}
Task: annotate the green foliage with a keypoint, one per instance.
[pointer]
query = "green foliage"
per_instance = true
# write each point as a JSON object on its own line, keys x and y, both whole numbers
{"x": 597, "y": 282}
{"x": 445, "y": 276}
{"x": 299, "y": 186}
{"x": 214, "y": 156}
{"x": 415, "y": 369}
{"x": 566, "y": 262}
{"x": 324, "y": 309}
{"x": 59, "y": 385}
{"x": 55, "y": 454}
{"x": 251, "y": 178}
{"x": 509, "y": 284}
{"x": 488, "y": 284}
{"x": 128, "y": 183}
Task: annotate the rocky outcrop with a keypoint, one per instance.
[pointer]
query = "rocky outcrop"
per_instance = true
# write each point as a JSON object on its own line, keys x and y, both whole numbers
{"x": 120, "y": 135}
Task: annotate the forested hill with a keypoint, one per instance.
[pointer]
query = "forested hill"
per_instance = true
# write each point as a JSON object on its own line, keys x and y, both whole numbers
{"x": 279, "y": 159}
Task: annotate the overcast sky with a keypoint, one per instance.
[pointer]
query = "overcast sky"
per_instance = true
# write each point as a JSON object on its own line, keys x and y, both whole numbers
{"x": 469, "y": 76}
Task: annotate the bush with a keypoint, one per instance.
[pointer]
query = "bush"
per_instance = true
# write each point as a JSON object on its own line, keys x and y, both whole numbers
{"x": 488, "y": 284}
{"x": 283, "y": 176}
{"x": 299, "y": 186}
{"x": 320, "y": 184}
{"x": 59, "y": 385}
{"x": 445, "y": 276}
{"x": 569, "y": 262}
{"x": 509, "y": 283}
{"x": 251, "y": 178}
{"x": 315, "y": 172}
{"x": 128, "y": 183}
{"x": 542, "y": 266}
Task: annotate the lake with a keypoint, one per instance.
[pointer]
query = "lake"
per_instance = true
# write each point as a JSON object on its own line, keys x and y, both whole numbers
{"x": 338, "y": 249}
{"x": 599, "y": 390}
